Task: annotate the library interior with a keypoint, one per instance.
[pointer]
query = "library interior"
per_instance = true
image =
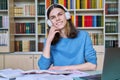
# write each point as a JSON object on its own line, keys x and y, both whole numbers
{"x": 23, "y": 28}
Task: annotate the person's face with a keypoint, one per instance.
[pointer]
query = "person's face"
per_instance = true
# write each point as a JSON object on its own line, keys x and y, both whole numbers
{"x": 57, "y": 17}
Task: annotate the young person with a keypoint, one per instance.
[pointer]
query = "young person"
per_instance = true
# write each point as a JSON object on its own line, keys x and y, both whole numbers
{"x": 66, "y": 48}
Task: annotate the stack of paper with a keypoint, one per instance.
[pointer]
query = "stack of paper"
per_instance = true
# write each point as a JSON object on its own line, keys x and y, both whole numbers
{"x": 19, "y": 74}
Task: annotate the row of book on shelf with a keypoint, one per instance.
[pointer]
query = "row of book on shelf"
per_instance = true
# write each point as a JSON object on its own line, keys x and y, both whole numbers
{"x": 24, "y": 28}
{"x": 97, "y": 38}
{"x": 29, "y": 28}
{"x": 89, "y": 20}
{"x": 28, "y": 9}
{"x": 69, "y": 4}
{"x": 41, "y": 9}
{"x": 24, "y": 10}
{"x": 80, "y": 4}
{"x": 111, "y": 8}
{"x": 3, "y": 4}
{"x": 4, "y": 39}
{"x": 89, "y": 4}
{"x": 111, "y": 27}
{"x": 111, "y": 43}
{"x": 27, "y": 46}
{"x": 4, "y": 21}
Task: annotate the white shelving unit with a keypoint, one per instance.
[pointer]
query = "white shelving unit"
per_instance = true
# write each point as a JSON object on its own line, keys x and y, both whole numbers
{"x": 112, "y": 23}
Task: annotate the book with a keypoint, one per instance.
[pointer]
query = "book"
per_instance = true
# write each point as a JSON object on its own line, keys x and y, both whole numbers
{"x": 54, "y": 72}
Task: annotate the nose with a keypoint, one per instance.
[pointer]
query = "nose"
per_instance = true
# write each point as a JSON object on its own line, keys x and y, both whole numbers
{"x": 57, "y": 18}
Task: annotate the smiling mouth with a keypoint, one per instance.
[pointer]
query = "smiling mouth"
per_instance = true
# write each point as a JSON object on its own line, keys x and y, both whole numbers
{"x": 59, "y": 23}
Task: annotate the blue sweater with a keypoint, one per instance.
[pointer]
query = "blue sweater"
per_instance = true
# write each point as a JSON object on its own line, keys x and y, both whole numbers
{"x": 70, "y": 52}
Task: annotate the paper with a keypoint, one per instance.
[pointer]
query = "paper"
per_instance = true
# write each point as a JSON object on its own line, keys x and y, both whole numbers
{"x": 43, "y": 77}
{"x": 3, "y": 78}
{"x": 78, "y": 74}
{"x": 10, "y": 73}
{"x": 51, "y": 75}
{"x": 41, "y": 74}
{"x": 56, "y": 77}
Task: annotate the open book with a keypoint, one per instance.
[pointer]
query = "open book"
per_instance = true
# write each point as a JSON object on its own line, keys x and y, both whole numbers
{"x": 11, "y": 73}
{"x": 55, "y": 72}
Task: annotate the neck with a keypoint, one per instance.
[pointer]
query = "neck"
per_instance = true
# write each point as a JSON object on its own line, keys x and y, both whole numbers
{"x": 62, "y": 34}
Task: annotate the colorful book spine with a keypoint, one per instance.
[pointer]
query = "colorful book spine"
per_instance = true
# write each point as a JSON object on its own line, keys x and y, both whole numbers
{"x": 100, "y": 3}
{"x": 77, "y": 4}
{"x": 89, "y": 20}
{"x": 48, "y": 2}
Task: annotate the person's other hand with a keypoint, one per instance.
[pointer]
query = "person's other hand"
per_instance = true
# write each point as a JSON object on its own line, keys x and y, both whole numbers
{"x": 58, "y": 68}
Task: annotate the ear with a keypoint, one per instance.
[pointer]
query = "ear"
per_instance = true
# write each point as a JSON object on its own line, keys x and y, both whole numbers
{"x": 49, "y": 23}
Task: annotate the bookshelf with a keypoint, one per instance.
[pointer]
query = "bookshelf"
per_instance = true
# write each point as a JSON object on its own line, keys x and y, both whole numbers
{"x": 6, "y": 37}
{"x": 112, "y": 18}
{"x": 29, "y": 25}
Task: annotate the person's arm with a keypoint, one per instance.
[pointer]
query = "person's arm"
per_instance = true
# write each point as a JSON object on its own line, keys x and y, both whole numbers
{"x": 82, "y": 67}
{"x": 52, "y": 32}
{"x": 45, "y": 60}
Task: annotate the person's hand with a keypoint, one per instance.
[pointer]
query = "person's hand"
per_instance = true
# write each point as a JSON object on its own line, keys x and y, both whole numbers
{"x": 52, "y": 32}
{"x": 58, "y": 68}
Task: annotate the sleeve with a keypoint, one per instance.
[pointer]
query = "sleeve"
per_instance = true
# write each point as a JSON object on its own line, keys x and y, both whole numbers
{"x": 44, "y": 63}
{"x": 90, "y": 53}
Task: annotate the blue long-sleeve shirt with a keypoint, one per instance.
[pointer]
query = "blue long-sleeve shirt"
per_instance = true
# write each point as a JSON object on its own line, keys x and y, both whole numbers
{"x": 70, "y": 51}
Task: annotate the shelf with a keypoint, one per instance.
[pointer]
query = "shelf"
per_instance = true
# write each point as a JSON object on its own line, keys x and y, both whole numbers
{"x": 41, "y": 34}
{"x": 3, "y": 11}
{"x": 41, "y": 16}
{"x": 24, "y": 17}
{"x": 3, "y": 28}
{"x": 25, "y": 34}
{"x": 26, "y": 53}
{"x": 91, "y": 28}
{"x": 89, "y": 10}
{"x": 112, "y": 34}
{"x": 111, "y": 15}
